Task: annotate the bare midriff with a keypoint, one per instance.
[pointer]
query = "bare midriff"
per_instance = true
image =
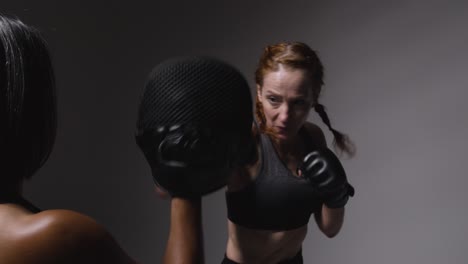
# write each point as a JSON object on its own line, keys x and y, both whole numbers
{"x": 247, "y": 245}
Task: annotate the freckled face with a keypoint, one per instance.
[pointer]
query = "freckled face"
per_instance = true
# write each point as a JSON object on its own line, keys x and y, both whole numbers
{"x": 286, "y": 96}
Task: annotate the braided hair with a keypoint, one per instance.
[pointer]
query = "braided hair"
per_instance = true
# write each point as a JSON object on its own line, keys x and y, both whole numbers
{"x": 298, "y": 55}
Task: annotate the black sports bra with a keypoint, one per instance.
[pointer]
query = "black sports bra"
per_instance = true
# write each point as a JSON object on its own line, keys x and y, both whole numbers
{"x": 276, "y": 199}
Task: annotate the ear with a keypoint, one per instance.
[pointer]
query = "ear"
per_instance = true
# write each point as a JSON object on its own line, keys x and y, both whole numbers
{"x": 313, "y": 104}
{"x": 314, "y": 101}
{"x": 259, "y": 91}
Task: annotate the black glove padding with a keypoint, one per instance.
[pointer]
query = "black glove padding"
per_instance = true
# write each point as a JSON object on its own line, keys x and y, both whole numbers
{"x": 190, "y": 161}
{"x": 324, "y": 170}
{"x": 195, "y": 124}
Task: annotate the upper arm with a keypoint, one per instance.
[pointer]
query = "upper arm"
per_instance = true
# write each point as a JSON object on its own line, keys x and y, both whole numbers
{"x": 244, "y": 175}
{"x": 67, "y": 237}
{"x": 238, "y": 179}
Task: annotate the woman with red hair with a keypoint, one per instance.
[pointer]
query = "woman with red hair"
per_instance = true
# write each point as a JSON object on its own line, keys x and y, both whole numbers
{"x": 270, "y": 202}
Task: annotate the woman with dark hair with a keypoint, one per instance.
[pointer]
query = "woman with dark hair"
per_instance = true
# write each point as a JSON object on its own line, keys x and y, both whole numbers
{"x": 295, "y": 175}
{"x": 28, "y": 124}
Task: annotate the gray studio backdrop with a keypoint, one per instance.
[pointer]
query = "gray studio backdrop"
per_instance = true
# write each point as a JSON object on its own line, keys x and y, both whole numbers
{"x": 396, "y": 82}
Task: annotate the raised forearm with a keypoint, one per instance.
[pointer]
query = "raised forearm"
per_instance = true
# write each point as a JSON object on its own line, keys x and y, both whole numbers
{"x": 185, "y": 243}
{"x": 330, "y": 220}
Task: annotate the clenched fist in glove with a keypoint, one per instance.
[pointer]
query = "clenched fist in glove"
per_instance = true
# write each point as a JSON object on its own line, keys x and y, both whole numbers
{"x": 325, "y": 172}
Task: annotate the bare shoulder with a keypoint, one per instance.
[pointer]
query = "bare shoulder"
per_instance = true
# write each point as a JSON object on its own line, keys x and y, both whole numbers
{"x": 239, "y": 178}
{"x": 242, "y": 176}
{"x": 316, "y": 134}
{"x": 63, "y": 236}
{"x": 68, "y": 224}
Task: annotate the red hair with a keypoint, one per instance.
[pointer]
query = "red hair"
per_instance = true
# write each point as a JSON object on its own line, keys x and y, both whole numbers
{"x": 297, "y": 55}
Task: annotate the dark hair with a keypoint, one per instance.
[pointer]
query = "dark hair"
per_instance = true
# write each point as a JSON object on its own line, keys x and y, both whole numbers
{"x": 298, "y": 55}
{"x": 27, "y": 101}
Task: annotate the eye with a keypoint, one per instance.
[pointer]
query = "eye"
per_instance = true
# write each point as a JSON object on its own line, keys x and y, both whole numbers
{"x": 301, "y": 102}
{"x": 273, "y": 99}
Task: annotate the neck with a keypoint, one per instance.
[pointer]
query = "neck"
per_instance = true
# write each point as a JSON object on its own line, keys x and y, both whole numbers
{"x": 289, "y": 147}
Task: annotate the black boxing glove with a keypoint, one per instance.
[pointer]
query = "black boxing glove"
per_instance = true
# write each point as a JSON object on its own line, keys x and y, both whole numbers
{"x": 325, "y": 172}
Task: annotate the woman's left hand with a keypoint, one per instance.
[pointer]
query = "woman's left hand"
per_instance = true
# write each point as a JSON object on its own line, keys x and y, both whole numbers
{"x": 324, "y": 170}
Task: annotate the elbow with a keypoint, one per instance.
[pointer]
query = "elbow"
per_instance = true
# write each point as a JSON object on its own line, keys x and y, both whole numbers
{"x": 331, "y": 221}
{"x": 331, "y": 230}
{"x": 330, "y": 233}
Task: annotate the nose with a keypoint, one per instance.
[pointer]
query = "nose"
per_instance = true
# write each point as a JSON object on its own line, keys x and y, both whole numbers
{"x": 283, "y": 115}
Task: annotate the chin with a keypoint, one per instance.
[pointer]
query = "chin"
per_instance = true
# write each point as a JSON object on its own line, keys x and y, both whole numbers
{"x": 283, "y": 137}
{"x": 286, "y": 137}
